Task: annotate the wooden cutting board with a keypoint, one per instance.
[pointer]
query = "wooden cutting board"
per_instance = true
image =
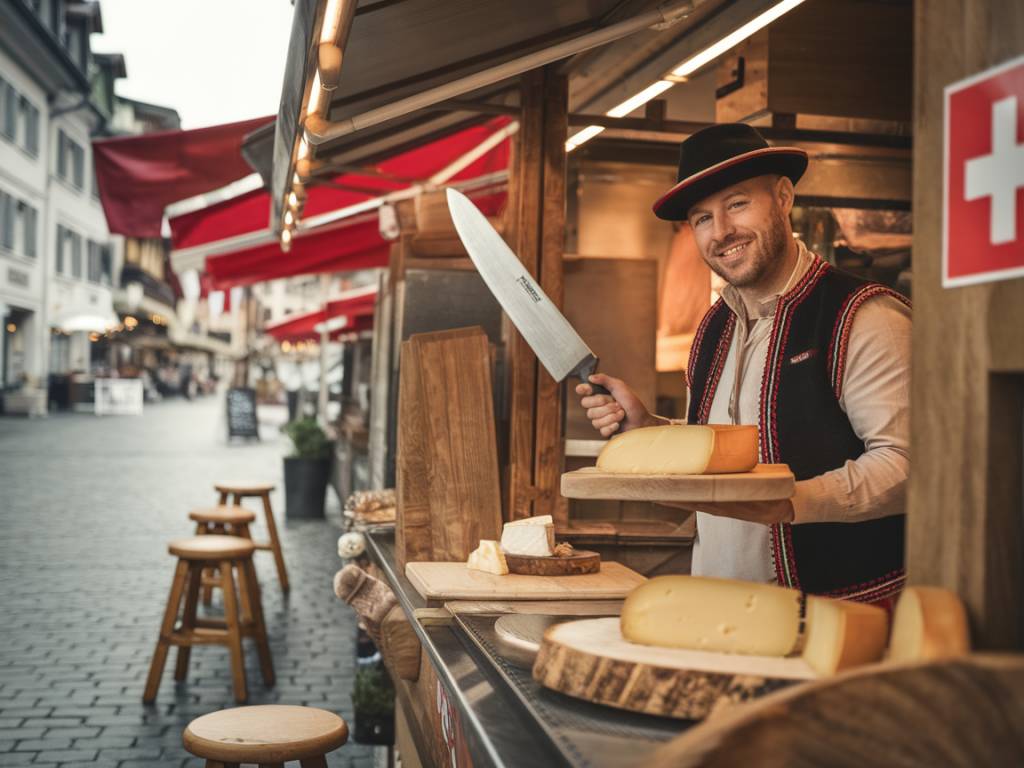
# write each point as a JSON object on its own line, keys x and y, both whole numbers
{"x": 589, "y": 659}
{"x": 579, "y": 562}
{"x": 766, "y": 482}
{"x": 454, "y": 581}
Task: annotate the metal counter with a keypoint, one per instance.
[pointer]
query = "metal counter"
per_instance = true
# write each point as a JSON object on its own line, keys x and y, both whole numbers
{"x": 508, "y": 719}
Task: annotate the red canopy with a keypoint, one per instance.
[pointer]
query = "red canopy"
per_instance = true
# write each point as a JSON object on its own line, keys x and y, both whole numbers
{"x": 358, "y": 310}
{"x": 138, "y": 176}
{"x": 351, "y": 244}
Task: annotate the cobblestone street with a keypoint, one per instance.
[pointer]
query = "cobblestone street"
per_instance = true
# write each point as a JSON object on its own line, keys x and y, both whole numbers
{"x": 87, "y": 506}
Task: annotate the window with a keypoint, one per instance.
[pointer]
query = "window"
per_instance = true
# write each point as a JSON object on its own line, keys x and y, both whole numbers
{"x": 29, "y": 221}
{"x": 8, "y": 110}
{"x": 30, "y": 138}
{"x": 70, "y": 160}
{"x": 76, "y": 255}
{"x": 62, "y": 235}
{"x": 106, "y": 265}
{"x": 7, "y": 205}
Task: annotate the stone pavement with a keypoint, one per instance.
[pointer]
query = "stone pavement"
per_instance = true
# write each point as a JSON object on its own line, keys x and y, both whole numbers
{"x": 87, "y": 506}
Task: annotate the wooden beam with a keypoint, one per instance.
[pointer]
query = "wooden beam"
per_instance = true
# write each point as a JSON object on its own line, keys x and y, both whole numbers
{"x": 521, "y": 361}
{"x": 548, "y": 436}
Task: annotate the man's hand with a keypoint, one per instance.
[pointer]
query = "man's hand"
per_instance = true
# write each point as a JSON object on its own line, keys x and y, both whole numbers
{"x": 619, "y": 412}
{"x": 764, "y": 512}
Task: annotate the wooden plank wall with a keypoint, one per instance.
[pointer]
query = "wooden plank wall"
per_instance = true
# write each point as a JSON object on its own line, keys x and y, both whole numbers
{"x": 537, "y": 228}
{"x": 966, "y": 522}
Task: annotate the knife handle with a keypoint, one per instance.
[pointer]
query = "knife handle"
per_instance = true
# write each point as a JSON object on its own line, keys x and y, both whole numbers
{"x": 587, "y": 370}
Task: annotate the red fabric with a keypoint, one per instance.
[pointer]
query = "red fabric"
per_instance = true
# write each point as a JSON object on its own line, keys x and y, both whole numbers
{"x": 358, "y": 311}
{"x": 250, "y": 212}
{"x": 139, "y": 176}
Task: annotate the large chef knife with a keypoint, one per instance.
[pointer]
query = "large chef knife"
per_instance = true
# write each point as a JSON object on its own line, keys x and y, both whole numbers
{"x": 556, "y": 344}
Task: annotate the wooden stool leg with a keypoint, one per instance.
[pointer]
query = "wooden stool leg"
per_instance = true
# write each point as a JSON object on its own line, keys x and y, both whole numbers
{"x": 234, "y": 643}
{"x": 314, "y": 762}
{"x": 271, "y": 765}
{"x": 259, "y": 624}
{"x": 223, "y": 499}
{"x": 188, "y": 619}
{"x": 275, "y": 542}
{"x": 156, "y": 667}
{"x": 208, "y": 573}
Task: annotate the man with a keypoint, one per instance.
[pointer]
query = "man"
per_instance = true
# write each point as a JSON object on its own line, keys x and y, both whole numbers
{"x": 817, "y": 358}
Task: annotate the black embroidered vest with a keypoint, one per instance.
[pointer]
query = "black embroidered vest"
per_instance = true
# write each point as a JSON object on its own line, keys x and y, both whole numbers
{"x": 802, "y": 425}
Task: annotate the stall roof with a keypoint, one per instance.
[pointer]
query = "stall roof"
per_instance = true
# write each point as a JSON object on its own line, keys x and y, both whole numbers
{"x": 441, "y": 43}
{"x": 356, "y": 307}
{"x": 226, "y": 237}
{"x": 138, "y": 176}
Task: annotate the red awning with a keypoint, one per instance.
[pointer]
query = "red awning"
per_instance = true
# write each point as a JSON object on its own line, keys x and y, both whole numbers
{"x": 351, "y": 244}
{"x": 358, "y": 311}
{"x": 139, "y": 176}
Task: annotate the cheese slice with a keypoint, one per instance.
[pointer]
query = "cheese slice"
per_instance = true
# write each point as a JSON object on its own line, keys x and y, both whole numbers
{"x": 678, "y": 449}
{"x": 843, "y": 634}
{"x": 713, "y": 615}
{"x": 929, "y": 623}
{"x": 534, "y": 539}
{"x": 488, "y": 557}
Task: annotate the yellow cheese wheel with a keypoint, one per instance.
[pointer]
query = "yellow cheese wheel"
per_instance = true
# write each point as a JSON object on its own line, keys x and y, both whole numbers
{"x": 681, "y": 449}
{"x": 713, "y": 615}
{"x": 842, "y": 634}
{"x": 929, "y": 623}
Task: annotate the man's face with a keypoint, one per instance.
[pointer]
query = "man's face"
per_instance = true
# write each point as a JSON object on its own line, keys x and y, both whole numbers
{"x": 742, "y": 230}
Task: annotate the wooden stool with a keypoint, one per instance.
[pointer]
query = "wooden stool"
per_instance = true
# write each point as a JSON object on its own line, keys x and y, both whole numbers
{"x": 227, "y": 520}
{"x": 262, "y": 490}
{"x": 229, "y": 554}
{"x": 266, "y": 735}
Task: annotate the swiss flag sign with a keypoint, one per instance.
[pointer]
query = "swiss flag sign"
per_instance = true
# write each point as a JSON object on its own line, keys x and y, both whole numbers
{"x": 983, "y": 195}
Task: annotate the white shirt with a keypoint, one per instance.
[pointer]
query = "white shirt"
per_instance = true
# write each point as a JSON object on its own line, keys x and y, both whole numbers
{"x": 875, "y": 398}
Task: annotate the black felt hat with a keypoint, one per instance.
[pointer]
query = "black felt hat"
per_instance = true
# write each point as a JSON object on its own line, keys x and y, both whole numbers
{"x": 720, "y": 156}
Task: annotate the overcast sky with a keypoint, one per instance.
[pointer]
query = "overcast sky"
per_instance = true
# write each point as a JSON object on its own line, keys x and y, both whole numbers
{"x": 215, "y": 61}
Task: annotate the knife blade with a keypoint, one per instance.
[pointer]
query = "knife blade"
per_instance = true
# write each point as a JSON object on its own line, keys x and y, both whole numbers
{"x": 551, "y": 337}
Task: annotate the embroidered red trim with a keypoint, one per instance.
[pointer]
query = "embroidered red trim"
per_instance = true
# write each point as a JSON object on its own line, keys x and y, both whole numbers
{"x": 717, "y": 366}
{"x": 783, "y": 555}
{"x": 698, "y": 339}
{"x": 840, "y": 341}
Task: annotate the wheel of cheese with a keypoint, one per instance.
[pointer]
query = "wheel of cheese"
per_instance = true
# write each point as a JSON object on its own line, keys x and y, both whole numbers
{"x": 842, "y": 634}
{"x": 929, "y": 623}
{"x": 713, "y": 615}
{"x": 681, "y": 449}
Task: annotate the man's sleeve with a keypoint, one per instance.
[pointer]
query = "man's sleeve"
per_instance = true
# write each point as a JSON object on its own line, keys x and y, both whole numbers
{"x": 876, "y": 399}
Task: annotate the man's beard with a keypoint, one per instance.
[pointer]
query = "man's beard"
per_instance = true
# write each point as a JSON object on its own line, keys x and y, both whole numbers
{"x": 763, "y": 254}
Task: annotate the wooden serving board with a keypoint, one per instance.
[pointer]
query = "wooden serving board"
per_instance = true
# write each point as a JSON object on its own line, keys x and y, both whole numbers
{"x": 589, "y": 659}
{"x": 766, "y": 482}
{"x": 579, "y": 562}
{"x": 454, "y": 581}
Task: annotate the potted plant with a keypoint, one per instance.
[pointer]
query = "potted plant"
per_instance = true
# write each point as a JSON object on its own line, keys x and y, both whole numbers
{"x": 373, "y": 698}
{"x": 307, "y": 469}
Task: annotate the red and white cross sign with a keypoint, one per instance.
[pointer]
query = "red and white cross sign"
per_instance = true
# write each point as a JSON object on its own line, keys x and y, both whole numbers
{"x": 983, "y": 177}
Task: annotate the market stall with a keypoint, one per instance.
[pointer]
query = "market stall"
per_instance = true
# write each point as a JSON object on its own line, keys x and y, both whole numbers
{"x": 483, "y": 441}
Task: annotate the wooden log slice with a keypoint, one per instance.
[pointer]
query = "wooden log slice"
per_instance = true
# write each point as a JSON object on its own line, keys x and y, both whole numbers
{"x": 957, "y": 713}
{"x": 579, "y": 562}
{"x": 590, "y": 660}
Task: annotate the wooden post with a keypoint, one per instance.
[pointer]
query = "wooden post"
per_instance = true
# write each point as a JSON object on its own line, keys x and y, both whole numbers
{"x": 537, "y": 200}
{"x": 965, "y": 524}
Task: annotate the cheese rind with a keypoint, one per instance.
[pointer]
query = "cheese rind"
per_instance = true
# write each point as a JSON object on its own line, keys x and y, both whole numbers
{"x": 681, "y": 449}
{"x": 533, "y": 540}
{"x": 489, "y": 558}
{"x": 929, "y": 623}
{"x": 537, "y": 520}
{"x": 713, "y": 615}
{"x": 843, "y": 634}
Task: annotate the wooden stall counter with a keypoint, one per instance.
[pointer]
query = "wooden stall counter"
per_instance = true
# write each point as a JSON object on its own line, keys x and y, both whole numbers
{"x": 464, "y": 700}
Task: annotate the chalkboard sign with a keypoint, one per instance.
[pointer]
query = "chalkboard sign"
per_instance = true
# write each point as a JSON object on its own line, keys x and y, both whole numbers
{"x": 242, "y": 413}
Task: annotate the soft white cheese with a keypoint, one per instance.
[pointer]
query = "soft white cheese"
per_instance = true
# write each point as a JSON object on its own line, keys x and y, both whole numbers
{"x": 537, "y": 540}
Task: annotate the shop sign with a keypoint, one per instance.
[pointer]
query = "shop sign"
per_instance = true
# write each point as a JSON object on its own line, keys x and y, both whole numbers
{"x": 983, "y": 177}
{"x": 17, "y": 277}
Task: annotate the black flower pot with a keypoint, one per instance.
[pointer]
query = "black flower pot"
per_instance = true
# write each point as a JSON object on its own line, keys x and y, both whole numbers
{"x": 305, "y": 487}
{"x": 375, "y": 729}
